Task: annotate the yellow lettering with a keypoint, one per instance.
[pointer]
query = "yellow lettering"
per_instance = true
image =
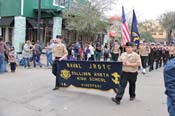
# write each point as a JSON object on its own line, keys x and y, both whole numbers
{"x": 90, "y": 67}
{"x": 73, "y": 65}
{"x": 95, "y": 79}
{"x": 101, "y": 75}
{"x": 89, "y": 74}
{"x": 81, "y": 78}
{"x": 91, "y": 86}
{"x": 99, "y": 66}
{"x": 67, "y": 64}
{"x": 104, "y": 67}
{"x": 94, "y": 66}
{"x": 109, "y": 67}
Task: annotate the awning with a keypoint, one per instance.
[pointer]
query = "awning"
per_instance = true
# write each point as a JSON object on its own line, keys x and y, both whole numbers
{"x": 48, "y": 12}
{"x": 33, "y": 22}
{"x": 6, "y": 21}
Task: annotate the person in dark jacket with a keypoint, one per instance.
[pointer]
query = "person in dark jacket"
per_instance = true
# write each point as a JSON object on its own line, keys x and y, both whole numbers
{"x": 169, "y": 80}
{"x": 165, "y": 55}
{"x": 158, "y": 57}
{"x": 37, "y": 50}
{"x": 152, "y": 57}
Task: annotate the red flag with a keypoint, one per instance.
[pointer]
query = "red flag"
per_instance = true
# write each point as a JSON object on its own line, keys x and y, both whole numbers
{"x": 125, "y": 31}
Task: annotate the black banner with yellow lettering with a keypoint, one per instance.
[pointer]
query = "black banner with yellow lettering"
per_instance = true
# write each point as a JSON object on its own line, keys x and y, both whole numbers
{"x": 89, "y": 74}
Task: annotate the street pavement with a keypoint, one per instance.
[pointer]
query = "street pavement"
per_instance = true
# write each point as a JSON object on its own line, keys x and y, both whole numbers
{"x": 28, "y": 92}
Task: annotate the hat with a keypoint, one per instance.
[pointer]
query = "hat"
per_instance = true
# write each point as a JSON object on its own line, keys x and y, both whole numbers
{"x": 130, "y": 44}
{"x": 152, "y": 43}
{"x": 59, "y": 36}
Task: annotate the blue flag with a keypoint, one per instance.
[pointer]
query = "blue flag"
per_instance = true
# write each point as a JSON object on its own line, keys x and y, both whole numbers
{"x": 135, "y": 36}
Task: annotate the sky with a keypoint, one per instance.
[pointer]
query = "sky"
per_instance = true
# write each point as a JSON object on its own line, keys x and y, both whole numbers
{"x": 145, "y": 9}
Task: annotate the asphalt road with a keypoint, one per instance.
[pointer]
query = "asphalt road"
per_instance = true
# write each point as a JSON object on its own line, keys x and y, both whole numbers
{"x": 28, "y": 92}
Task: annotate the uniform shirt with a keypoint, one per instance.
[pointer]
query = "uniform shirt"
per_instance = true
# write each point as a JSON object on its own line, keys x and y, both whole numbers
{"x": 144, "y": 51}
{"x": 59, "y": 50}
{"x": 132, "y": 58}
{"x": 116, "y": 49}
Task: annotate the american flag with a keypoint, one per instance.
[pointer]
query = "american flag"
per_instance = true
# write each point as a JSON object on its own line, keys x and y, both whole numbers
{"x": 125, "y": 31}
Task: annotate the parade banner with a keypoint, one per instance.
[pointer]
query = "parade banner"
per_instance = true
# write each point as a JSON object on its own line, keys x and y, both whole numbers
{"x": 89, "y": 74}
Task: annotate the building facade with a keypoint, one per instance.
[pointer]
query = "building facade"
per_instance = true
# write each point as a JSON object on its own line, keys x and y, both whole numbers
{"x": 18, "y": 21}
{"x": 158, "y": 32}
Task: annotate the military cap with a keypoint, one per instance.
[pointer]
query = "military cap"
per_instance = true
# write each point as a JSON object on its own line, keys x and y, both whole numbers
{"x": 58, "y": 36}
{"x": 130, "y": 44}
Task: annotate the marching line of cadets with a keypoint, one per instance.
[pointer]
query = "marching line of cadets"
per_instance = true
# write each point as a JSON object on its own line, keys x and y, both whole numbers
{"x": 153, "y": 55}
{"x": 131, "y": 57}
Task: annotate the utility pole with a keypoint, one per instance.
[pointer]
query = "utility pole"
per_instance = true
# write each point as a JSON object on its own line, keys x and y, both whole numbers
{"x": 39, "y": 18}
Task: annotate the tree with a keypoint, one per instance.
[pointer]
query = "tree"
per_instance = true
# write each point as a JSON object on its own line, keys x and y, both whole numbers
{"x": 147, "y": 29}
{"x": 167, "y": 20}
{"x": 87, "y": 18}
{"x": 147, "y": 36}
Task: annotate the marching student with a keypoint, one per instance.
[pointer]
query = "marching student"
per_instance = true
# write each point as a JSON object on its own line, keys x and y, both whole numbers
{"x": 115, "y": 51}
{"x": 131, "y": 62}
{"x": 144, "y": 53}
{"x": 59, "y": 53}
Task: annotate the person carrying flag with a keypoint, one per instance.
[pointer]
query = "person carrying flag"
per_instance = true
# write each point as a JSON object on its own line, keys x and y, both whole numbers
{"x": 131, "y": 61}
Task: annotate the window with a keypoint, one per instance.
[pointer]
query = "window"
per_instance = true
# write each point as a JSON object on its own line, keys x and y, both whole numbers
{"x": 160, "y": 32}
{"x": 61, "y": 3}
{"x": 154, "y": 33}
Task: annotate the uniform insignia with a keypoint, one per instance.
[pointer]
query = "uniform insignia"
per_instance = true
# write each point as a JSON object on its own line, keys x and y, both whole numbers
{"x": 136, "y": 36}
{"x": 115, "y": 78}
{"x": 65, "y": 74}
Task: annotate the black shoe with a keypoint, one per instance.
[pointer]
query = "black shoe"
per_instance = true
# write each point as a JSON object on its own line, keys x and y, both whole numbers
{"x": 12, "y": 71}
{"x": 116, "y": 101}
{"x": 55, "y": 88}
{"x": 132, "y": 98}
